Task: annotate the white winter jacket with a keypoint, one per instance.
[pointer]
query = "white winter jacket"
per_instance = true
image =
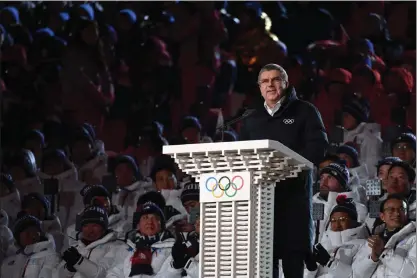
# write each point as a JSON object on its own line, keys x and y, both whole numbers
{"x": 128, "y": 197}
{"x": 342, "y": 247}
{"x": 29, "y": 185}
{"x": 70, "y": 199}
{"x": 99, "y": 257}
{"x": 398, "y": 260}
{"x": 331, "y": 202}
{"x": 35, "y": 261}
{"x": 370, "y": 145}
{"x": 11, "y": 205}
{"x": 98, "y": 165}
{"x": 161, "y": 261}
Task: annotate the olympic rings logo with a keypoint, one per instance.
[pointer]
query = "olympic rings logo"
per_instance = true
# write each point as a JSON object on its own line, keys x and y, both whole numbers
{"x": 288, "y": 121}
{"x": 224, "y": 186}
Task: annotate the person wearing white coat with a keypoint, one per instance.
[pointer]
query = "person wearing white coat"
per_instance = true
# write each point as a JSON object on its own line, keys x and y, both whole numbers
{"x": 37, "y": 205}
{"x": 131, "y": 185}
{"x": 6, "y": 237}
{"x": 391, "y": 253}
{"x": 36, "y": 257}
{"x": 90, "y": 161}
{"x": 340, "y": 243}
{"x": 365, "y": 136}
{"x": 165, "y": 181}
{"x": 56, "y": 166}
{"x": 400, "y": 180}
{"x": 333, "y": 182}
{"x": 97, "y": 250}
{"x": 151, "y": 245}
{"x": 9, "y": 198}
{"x": 97, "y": 195}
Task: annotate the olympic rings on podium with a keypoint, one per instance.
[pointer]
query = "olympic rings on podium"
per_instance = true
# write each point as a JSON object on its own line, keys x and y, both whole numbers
{"x": 224, "y": 188}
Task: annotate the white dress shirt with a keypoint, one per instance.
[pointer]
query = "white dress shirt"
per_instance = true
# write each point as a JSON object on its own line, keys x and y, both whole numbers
{"x": 273, "y": 110}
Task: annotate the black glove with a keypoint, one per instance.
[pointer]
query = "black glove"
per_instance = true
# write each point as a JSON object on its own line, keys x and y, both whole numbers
{"x": 71, "y": 257}
{"x": 321, "y": 255}
{"x": 180, "y": 255}
{"x": 193, "y": 245}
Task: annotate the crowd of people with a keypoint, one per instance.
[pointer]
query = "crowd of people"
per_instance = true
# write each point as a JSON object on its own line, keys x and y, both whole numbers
{"x": 92, "y": 91}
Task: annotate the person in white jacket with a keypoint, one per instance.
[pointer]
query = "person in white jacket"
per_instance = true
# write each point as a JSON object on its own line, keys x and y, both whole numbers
{"x": 363, "y": 135}
{"x": 340, "y": 243}
{"x": 7, "y": 246}
{"x": 131, "y": 186}
{"x": 165, "y": 181}
{"x": 404, "y": 147}
{"x": 151, "y": 245}
{"x": 400, "y": 181}
{"x": 358, "y": 173}
{"x": 57, "y": 167}
{"x": 97, "y": 195}
{"x": 22, "y": 167}
{"x": 391, "y": 253}
{"x": 36, "y": 257}
{"x": 382, "y": 169}
{"x": 90, "y": 162}
{"x": 9, "y": 198}
{"x": 334, "y": 180}
{"x": 97, "y": 250}
{"x": 37, "y": 205}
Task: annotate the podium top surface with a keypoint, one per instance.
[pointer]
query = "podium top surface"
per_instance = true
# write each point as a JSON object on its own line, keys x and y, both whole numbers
{"x": 269, "y": 159}
{"x": 216, "y": 148}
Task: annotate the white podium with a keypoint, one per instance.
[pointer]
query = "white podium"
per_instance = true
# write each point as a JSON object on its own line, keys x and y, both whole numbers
{"x": 237, "y": 181}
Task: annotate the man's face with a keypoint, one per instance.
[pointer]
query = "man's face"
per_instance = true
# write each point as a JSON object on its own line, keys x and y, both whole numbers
{"x": 191, "y": 135}
{"x": 36, "y": 209}
{"x": 404, "y": 151}
{"x": 271, "y": 86}
{"x": 29, "y": 236}
{"x": 328, "y": 183}
{"x": 189, "y": 205}
{"x": 92, "y": 231}
{"x": 383, "y": 175}
{"x": 149, "y": 225}
{"x": 53, "y": 167}
{"x": 164, "y": 179}
{"x": 394, "y": 214}
{"x": 398, "y": 181}
{"x": 349, "y": 122}
{"x": 340, "y": 221}
{"x": 81, "y": 152}
{"x": 347, "y": 158}
{"x": 124, "y": 174}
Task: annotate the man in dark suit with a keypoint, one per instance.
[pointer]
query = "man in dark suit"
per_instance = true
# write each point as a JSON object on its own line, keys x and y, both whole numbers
{"x": 296, "y": 124}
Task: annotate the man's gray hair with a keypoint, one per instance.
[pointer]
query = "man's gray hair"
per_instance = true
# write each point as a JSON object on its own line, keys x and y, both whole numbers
{"x": 283, "y": 74}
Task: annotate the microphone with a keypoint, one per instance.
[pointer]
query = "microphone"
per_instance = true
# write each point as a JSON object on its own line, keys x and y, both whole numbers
{"x": 225, "y": 126}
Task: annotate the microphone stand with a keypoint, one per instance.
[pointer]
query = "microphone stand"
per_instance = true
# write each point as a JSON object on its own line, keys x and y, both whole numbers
{"x": 246, "y": 114}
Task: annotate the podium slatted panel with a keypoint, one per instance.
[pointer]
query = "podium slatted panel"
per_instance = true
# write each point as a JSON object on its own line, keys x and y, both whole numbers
{"x": 237, "y": 183}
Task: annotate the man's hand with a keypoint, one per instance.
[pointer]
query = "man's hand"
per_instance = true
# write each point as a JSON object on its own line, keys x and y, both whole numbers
{"x": 377, "y": 245}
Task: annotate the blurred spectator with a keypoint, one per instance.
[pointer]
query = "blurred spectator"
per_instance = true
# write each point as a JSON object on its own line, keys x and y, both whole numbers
{"x": 86, "y": 78}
